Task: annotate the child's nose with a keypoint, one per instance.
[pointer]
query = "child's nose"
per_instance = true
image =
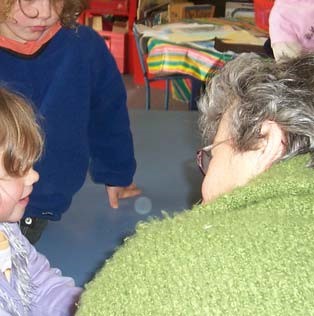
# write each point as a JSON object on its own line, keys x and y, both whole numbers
{"x": 31, "y": 177}
{"x": 44, "y": 9}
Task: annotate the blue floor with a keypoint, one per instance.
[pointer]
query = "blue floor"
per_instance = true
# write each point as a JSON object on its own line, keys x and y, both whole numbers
{"x": 165, "y": 146}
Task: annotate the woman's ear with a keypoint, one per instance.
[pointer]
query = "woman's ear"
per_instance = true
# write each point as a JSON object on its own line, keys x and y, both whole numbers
{"x": 271, "y": 144}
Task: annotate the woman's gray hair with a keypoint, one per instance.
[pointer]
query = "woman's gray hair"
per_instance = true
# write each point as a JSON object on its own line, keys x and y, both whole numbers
{"x": 251, "y": 90}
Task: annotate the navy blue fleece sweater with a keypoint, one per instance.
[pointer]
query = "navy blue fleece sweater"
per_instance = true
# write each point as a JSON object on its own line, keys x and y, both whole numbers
{"x": 80, "y": 98}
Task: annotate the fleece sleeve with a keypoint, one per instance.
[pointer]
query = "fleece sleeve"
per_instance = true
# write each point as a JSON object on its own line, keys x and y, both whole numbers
{"x": 281, "y": 25}
{"x": 110, "y": 138}
{"x": 54, "y": 294}
{"x": 284, "y": 40}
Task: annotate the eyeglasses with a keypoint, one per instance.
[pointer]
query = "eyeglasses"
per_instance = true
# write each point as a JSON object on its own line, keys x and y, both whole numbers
{"x": 204, "y": 156}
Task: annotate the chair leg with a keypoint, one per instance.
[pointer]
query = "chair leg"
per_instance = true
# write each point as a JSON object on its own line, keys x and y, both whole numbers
{"x": 195, "y": 93}
{"x": 167, "y": 95}
{"x": 147, "y": 94}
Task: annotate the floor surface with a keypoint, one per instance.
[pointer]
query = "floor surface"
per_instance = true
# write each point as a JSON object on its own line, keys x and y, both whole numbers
{"x": 90, "y": 231}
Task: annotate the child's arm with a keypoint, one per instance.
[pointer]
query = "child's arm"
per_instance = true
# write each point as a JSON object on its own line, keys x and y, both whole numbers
{"x": 284, "y": 40}
{"x": 54, "y": 294}
{"x": 287, "y": 24}
{"x": 285, "y": 49}
{"x": 110, "y": 138}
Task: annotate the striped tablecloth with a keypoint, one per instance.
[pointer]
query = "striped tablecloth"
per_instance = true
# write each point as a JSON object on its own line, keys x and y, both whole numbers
{"x": 165, "y": 57}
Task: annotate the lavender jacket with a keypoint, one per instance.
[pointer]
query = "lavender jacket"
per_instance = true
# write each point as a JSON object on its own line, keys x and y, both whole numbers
{"x": 35, "y": 289}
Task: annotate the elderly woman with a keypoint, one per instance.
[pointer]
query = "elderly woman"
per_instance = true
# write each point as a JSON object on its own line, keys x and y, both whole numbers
{"x": 250, "y": 250}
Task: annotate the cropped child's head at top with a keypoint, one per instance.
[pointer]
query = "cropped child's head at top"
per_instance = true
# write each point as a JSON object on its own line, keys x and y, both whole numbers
{"x": 67, "y": 10}
{"x": 21, "y": 140}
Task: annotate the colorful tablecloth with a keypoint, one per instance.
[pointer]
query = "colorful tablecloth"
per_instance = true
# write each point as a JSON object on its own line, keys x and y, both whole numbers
{"x": 165, "y": 57}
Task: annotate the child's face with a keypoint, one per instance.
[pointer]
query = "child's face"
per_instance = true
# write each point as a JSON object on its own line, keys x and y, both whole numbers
{"x": 14, "y": 194}
{"x": 30, "y": 20}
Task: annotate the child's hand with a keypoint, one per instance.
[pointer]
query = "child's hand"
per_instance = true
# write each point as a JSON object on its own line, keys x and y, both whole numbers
{"x": 116, "y": 193}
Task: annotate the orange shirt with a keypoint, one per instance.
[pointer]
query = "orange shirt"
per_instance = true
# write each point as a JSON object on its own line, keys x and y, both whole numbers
{"x": 29, "y": 48}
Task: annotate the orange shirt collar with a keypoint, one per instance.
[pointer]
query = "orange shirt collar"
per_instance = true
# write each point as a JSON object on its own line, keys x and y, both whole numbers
{"x": 29, "y": 48}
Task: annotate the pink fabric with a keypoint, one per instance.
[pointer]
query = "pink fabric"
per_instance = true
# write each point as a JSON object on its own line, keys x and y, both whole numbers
{"x": 292, "y": 21}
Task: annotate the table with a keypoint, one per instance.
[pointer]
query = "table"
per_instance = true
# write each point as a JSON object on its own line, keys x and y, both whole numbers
{"x": 165, "y": 57}
{"x": 192, "y": 48}
{"x": 89, "y": 232}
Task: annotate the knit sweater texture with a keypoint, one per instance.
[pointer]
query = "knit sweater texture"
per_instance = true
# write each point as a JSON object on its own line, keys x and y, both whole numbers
{"x": 80, "y": 98}
{"x": 250, "y": 252}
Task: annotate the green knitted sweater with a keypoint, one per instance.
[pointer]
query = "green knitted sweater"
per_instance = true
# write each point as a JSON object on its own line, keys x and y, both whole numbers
{"x": 250, "y": 252}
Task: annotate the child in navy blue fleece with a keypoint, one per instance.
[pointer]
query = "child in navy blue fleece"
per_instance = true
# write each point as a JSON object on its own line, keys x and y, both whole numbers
{"x": 69, "y": 75}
